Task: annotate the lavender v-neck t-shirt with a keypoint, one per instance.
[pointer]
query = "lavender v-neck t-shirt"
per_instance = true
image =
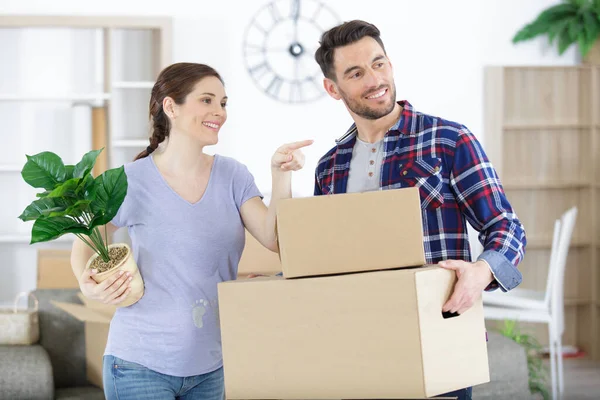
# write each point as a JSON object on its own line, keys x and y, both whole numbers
{"x": 183, "y": 251}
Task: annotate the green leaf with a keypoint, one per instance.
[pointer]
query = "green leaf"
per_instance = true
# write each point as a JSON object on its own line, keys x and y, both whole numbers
{"x": 42, "y": 207}
{"x": 575, "y": 27}
{"x": 591, "y": 26}
{"x": 553, "y": 21}
{"x": 44, "y": 170}
{"x": 66, "y": 189}
{"x": 110, "y": 190}
{"x": 556, "y": 29}
{"x": 43, "y": 194}
{"x": 46, "y": 229}
{"x": 86, "y": 164}
{"x": 73, "y": 209}
{"x": 584, "y": 46}
{"x": 557, "y": 13}
{"x": 86, "y": 188}
{"x": 69, "y": 172}
{"x": 564, "y": 41}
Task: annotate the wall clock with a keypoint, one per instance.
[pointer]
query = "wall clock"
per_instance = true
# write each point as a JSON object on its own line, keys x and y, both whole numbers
{"x": 279, "y": 48}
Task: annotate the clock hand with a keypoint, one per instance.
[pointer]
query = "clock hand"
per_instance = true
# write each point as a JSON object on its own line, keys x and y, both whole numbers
{"x": 295, "y": 17}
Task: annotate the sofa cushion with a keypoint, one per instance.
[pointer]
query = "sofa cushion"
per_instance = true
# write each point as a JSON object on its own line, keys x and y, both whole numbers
{"x": 63, "y": 337}
{"x": 25, "y": 373}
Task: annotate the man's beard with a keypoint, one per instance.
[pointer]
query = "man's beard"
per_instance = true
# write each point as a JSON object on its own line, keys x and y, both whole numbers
{"x": 360, "y": 109}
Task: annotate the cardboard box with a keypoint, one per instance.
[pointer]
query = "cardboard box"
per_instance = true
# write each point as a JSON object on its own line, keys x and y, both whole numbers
{"x": 54, "y": 270}
{"x": 256, "y": 259}
{"x": 96, "y": 317}
{"x": 372, "y": 335}
{"x": 342, "y": 233}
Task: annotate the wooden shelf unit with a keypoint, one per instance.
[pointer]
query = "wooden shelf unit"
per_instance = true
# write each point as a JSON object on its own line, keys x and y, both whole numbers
{"x": 542, "y": 134}
{"x": 109, "y": 99}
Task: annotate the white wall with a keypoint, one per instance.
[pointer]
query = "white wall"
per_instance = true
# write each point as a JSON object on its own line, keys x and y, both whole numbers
{"x": 438, "y": 49}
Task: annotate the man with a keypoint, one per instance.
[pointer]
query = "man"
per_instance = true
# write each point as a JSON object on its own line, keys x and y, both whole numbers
{"x": 390, "y": 145}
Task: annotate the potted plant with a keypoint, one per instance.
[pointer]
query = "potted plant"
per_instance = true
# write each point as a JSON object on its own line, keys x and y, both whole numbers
{"x": 73, "y": 201}
{"x": 571, "y": 21}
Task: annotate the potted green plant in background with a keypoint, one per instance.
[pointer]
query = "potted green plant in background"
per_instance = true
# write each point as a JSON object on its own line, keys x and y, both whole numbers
{"x": 75, "y": 202}
{"x": 571, "y": 21}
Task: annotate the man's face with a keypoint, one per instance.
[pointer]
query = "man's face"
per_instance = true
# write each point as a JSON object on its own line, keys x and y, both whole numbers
{"x": 364, "y": 79}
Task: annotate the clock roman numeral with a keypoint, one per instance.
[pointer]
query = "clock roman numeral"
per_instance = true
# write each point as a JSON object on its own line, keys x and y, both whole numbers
{"x": 312, "y": 80}
{"x": 252, "y": 49}
{"x": 274, "y": 12}
{"x": 259, "y": 27}
{"x": 317, "y": 11}
{"x": 259, "y": 70}
{"x": 296, "y": 94}
{"x": 274, "y": 86}
{"x": 295, "y": 10}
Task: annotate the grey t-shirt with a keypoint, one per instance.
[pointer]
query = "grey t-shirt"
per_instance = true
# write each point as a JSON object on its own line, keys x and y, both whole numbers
{"x": 365, "y": 167}
{"x": 183, "y": 251}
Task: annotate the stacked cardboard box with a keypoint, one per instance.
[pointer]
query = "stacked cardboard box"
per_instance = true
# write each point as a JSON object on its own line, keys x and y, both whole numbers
{"x": 346, "y": 321}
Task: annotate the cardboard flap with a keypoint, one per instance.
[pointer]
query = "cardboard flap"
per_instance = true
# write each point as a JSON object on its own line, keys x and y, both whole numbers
{"x": 107, "y": 310}
{"x": 54, "y": 270}
{"x": 81, "y": 312}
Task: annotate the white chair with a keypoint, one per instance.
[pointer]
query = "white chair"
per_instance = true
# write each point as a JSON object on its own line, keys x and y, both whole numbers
{"x": 541, "y": 307}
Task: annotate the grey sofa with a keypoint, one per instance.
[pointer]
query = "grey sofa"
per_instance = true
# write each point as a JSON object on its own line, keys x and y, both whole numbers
{"x": 55, "y": 367}
{"x": 509, "y": 377}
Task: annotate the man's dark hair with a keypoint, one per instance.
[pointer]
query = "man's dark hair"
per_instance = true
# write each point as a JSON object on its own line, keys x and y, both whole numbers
{"x": 339, "y": 36}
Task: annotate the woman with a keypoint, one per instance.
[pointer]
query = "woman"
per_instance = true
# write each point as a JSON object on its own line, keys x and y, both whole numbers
{"x": 186, "y": 212}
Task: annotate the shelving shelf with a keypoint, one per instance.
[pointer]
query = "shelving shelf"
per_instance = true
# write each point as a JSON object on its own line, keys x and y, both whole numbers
{"x": 11, "y": 168}
{"x": 75, "y": 97}
{"x": 531, "y": 184}
{"x": 135, "y": 143}
{"x": 542, "y": 135}
{"x": 546, "y": 126}
{"x": 25, "y": 239}
{"x": 571, "y": 301}
{"x": 133, "y": 85}
{"x": 546, "y": 243}
{"x": 107, "y": 65}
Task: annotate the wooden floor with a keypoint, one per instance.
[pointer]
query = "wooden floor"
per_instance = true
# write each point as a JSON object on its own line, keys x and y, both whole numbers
{"x": 582, "y": 379}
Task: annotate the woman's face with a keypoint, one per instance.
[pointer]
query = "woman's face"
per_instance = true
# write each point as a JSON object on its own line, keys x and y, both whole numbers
{"x": 203, "y": 112}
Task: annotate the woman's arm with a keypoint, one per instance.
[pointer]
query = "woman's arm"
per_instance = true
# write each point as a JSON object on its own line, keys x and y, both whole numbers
{"x": 260, "y": 220}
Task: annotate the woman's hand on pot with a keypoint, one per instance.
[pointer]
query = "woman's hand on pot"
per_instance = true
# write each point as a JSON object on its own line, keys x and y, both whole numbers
{"x": 111, "y": 291}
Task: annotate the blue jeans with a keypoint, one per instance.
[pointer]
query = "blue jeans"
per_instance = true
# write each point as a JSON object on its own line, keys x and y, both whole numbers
{"x": 463, "y": 394}
{"x": 124, "y": 380}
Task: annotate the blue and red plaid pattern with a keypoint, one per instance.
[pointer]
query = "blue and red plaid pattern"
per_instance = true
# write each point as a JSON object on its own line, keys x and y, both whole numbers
{"x": 457, "y": 184}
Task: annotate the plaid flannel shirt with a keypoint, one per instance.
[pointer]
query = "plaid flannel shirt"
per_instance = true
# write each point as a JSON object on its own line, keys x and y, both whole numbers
{"x": 457, "y": 183}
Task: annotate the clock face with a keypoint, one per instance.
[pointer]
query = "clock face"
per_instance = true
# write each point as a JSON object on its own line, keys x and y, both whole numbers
{"x": 280, "y": 45}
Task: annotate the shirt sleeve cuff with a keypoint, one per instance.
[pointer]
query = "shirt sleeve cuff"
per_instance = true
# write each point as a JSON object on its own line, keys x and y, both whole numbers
{"x": 506, "y": 275}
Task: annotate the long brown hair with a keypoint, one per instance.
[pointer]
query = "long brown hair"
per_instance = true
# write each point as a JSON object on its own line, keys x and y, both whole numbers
{"x": 175, "y": 81}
